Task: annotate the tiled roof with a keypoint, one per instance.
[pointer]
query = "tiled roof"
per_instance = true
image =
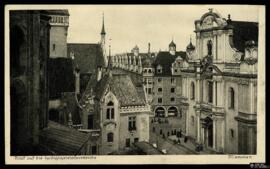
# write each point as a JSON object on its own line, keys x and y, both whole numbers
{"x": 87, "y": 56}
{"x": 242, "y": 32}
{"x": 61, "y": 76}
{"x": 122, "y": 86}
{"x": 61, "y": 140}
{"x": 165, "y": 59}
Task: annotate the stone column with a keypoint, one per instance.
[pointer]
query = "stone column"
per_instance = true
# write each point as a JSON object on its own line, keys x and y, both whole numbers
{"x": 214, "y": 93}
{"x": 214, "y": 133}
{"x": 202, "y": 133}
{"x": 197, "y": 90}
{"x": 198, "y": 125}
{"x": 187, "y": 122}
{"x": 251, "y": 88}
{"x": 222, "y": 134}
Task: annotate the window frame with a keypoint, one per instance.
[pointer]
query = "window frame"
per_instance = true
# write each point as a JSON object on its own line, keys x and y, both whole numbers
{"x": 132, "y": 125}
{"x": 231, "y": 98}
{"x": 110, "y": 113}
{"x": 110, "y": 137}
{"x": 160, "y": 100}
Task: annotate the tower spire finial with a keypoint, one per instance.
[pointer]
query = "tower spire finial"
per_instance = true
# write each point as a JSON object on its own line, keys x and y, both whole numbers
{"x": 190, "y": 38}
{"x": 103, "y": 27}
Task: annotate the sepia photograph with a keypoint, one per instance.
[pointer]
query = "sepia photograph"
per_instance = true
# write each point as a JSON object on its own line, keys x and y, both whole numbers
{"x": 140, "y": 84}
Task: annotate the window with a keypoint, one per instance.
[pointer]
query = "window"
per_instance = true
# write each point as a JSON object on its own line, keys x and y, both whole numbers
{"x": 149, "y": 90}
{"x": 90, "y": 122}
{"x": 110, "y": 111}
{"x": 192, "y": 97}
{"x": 159, "y": 100}
{"x": 149, "y": 71}
{"x": 172, "y": 99}
{"x": 172, "y": 80}
{"x": 231, "y": 98}
{"x": 136, "y": 140}
{"x": 131, "y": 123}
{"x": 175, "y": 70}
{"x": 172, "y": 90}
{"x": 110, "y": 137}
{"x": 159, "y": 89}
{"x": 210, "y": 92}
{"x": 159, "y": 79}
{"x": 54, "y": 46}
{"x": 128, "y": 142}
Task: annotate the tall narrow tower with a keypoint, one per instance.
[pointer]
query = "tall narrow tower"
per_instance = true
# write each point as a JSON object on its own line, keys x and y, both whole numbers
{"x": 58, "y": 33}
{"x": 102, "y": 40}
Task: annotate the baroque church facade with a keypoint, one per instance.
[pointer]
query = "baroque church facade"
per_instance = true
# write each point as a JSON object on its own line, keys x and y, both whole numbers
{"x": 220, "y": 84}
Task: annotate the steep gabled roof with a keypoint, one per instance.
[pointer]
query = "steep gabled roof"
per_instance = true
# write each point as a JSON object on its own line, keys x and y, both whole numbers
{"x": 87, "y": 56}
{"x": 165, "y": 59}
{"x": 121, "y": 85}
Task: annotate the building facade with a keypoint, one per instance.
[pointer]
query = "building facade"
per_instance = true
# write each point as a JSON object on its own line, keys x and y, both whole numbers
{"x": 220, "y": 84}
{"x": 29, "y": 51}
{"x": 115, "y": 106}
{"x": 58, "y": 33}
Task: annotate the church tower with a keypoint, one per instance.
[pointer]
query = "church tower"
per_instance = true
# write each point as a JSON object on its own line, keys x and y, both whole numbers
{"x": 102, "y": 40}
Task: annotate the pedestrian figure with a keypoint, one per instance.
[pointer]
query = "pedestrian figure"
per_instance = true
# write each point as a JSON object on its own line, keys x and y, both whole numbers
{"x": 180, "y": 133}
{"x": 160, "y": 132}
{"x": 178, "y": 141}
{"x": 185, "y": 139}
{"x": 201, "y": 147}
{"x": 174, "y": 141}
{"x": 197, "y": 148}
{"x": 172, "y": 133}
{"x": 168, "y": 133}
{"x": 163, "y": 136}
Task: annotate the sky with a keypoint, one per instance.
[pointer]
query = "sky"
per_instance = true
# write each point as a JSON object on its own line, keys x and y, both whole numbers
{"x": 130, "y": 25}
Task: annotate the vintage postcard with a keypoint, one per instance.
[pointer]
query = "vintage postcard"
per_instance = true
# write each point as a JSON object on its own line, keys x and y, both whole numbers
{"x": 134, "y": 84}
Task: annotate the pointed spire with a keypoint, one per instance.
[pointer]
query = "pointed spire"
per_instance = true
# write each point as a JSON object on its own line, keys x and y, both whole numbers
{"x": 103, "y": 27}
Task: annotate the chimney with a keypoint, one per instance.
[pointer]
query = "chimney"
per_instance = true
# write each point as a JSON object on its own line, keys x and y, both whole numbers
{"x": 77, "y": 80}
{"x": 149, "y": 48}
{"x": 99, "y": 73}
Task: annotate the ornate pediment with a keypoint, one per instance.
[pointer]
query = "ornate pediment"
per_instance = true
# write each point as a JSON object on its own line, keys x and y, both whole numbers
{"x": 210, "y": 20}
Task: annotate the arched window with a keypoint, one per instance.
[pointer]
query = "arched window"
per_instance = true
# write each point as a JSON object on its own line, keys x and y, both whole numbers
{"x": 110, "y": 137}
{"x": 231, "y": 98}
{"x": 110, "y": 111}
{"x": 192, "y": 94}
